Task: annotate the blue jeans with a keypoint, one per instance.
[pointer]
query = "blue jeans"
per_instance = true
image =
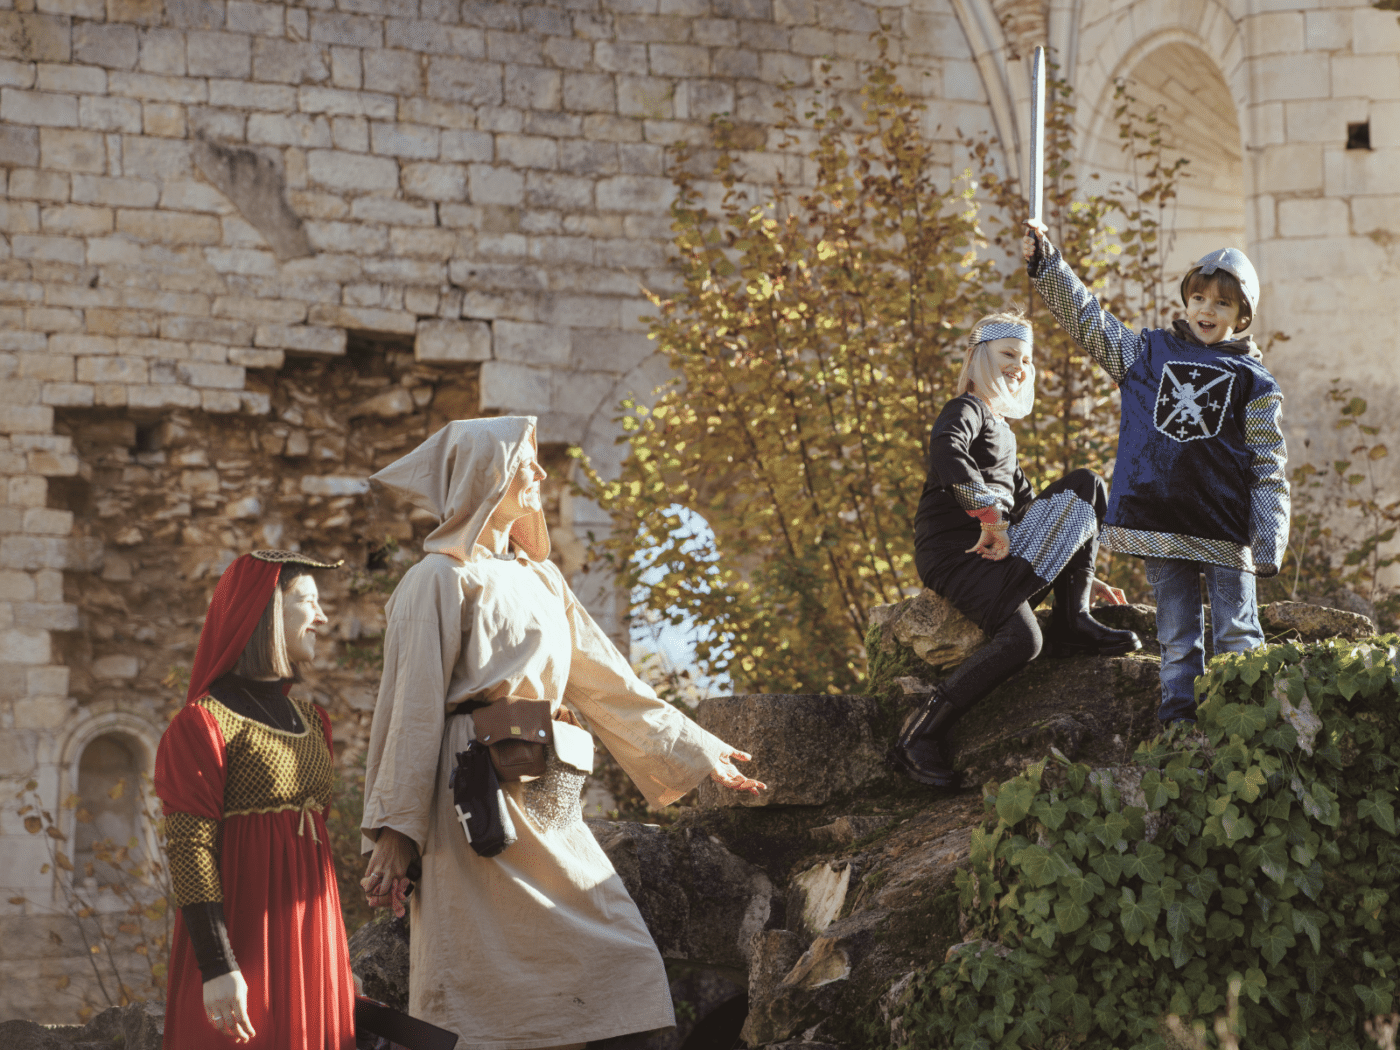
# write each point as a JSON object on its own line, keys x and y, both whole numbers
{"x": 1234, "y": 620}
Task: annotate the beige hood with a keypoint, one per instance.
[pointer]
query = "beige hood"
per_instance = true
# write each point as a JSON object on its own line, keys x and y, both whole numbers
{"x": 461, "y": 474}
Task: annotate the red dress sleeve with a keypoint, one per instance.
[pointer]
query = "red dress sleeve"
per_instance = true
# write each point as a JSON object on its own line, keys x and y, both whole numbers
{"x": 192, "y": 765}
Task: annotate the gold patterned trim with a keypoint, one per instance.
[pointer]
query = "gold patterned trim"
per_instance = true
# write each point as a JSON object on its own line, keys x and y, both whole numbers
{"x": 305, "y": 721}
{"x": 281, "y": 557}
{"x": 306, "y": 807}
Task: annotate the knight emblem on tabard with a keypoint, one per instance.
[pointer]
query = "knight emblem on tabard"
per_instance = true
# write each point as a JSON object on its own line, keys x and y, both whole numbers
{"x": 1192, "y": 400}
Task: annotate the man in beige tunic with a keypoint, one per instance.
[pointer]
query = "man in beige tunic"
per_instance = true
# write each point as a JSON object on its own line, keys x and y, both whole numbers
{"x": 539, "y": 946}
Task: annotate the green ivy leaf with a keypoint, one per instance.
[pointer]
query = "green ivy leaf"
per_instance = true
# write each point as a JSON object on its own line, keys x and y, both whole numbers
{"x": 1243, "y": 720}
{"x": 1147, "y": 863}
{"x": 1040, "y": 866}
{"x": 1139, "y": 913}
{"x": 1377, "y": 807}
{"x": 1253, "y": 983}
{"x": 1201, "y": 883}
{"x": 1184, "y": 914}
{"x": 1109, "y": 866}
{"x": 1376, "y": 997}
{"x": 1309, "y": 922}
{"x": 1070, "y": 915}
{"x": 1051, "y": 814}
{"x": 1248, "y": 784}
{"x": 1159, "y": 790}
{"x": 1273, "y": 940}
{"x": 1015, "y": 800}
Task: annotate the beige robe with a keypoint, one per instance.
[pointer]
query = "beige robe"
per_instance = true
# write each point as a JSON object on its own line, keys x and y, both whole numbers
{"x": 540, "y": 945}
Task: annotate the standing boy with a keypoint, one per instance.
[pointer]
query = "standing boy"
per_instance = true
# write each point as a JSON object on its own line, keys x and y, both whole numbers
{"x": 1199, "y": 485}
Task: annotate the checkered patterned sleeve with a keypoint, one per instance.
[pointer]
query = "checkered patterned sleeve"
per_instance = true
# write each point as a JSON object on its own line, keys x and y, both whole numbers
{"x": 1111, "y": 343}
{"x": 192, "y": 849}
{"x": 1269, "y": 502}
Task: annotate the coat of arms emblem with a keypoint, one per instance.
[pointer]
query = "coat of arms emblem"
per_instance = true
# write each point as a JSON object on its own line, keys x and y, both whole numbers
{"x": 1192, "y": 400}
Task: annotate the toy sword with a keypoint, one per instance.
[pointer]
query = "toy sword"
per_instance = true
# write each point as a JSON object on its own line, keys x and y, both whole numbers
{"x": 1037, "y": 158}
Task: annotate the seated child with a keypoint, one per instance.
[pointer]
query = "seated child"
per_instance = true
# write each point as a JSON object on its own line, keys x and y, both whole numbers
{"x": 1199, "y": 485}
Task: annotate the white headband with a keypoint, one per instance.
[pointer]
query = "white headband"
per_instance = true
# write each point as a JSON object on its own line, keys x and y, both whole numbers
{"x": 1002, "y": 330}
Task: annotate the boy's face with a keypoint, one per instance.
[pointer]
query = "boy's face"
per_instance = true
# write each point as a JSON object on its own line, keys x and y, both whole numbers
{"x": 1211, "y": 315}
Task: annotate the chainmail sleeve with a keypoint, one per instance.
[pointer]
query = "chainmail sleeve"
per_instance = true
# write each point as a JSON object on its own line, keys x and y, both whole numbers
{"x": 192, "y": 847}
{"x": 1109, "y": 342}
{"x": 1269, "y": 499}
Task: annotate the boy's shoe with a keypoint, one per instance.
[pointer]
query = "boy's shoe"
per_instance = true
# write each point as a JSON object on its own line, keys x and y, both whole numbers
{"x": 924, "y": 749}
{"x": 1074, "y": 631}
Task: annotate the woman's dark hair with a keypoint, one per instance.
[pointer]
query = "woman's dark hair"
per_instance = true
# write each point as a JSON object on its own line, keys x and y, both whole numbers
{"x": 265, "y": 655}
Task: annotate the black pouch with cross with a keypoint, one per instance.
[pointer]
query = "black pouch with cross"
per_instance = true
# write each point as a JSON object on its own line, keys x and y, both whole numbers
{"x": 479, "y": 801}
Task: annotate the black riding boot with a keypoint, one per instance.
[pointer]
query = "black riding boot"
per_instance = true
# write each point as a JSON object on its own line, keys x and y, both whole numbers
{"x": 924, "y": 750}
{"x": 1073, "y": 631}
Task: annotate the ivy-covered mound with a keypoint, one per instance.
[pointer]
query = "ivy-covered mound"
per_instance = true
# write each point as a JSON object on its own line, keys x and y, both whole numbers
{"x": 1256, "y": 851}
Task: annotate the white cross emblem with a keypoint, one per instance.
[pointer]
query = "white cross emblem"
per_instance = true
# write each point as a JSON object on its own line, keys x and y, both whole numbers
{"x": 462, "y": 819}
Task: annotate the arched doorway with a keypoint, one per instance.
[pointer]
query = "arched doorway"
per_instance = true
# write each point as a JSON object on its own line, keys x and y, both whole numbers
{"x": 1196, "y": 116}
{"x": 109, "y": 784}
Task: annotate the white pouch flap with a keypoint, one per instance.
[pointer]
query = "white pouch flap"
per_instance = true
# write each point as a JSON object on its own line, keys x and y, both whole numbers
{"x": 574, "y": 746}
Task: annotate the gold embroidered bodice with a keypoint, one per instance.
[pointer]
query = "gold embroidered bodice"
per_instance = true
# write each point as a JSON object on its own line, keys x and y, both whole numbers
{"x": 267, "y": 771}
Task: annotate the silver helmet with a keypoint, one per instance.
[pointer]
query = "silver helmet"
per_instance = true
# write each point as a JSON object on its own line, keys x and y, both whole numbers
{"x": 1237, "y": 265}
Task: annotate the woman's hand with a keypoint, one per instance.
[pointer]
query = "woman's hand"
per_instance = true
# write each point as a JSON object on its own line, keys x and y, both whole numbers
{"x": 994, "y": 545}
{"x": 226, "y": 1005}
{"x": 725, "y": 773}
{"x": 386, "y": 881}
{"x": 1034, "y": 237}
{"x": 1102, "y": 594}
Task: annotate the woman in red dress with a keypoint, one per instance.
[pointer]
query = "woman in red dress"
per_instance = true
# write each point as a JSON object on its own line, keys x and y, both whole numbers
{"x": 245, "y": 773}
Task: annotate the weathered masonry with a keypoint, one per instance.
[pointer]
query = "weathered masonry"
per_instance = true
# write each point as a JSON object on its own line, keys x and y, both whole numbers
{"x": 250, "y": 251}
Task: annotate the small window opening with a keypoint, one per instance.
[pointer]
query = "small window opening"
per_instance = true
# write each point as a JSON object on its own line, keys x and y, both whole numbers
{"x": 148, "y": 438}
{"x": 1359, "y": 135}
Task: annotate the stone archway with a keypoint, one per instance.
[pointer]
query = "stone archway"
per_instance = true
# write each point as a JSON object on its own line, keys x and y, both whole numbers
{"x": 1175, "y": 79}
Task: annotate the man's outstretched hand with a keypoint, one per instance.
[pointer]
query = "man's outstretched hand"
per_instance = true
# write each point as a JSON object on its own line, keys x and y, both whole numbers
{"x": 386, "y": 882}
{"x": 726, "y": 774}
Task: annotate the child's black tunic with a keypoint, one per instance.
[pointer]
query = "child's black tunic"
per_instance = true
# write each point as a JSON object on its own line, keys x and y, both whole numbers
{"x": 971, "y": 460}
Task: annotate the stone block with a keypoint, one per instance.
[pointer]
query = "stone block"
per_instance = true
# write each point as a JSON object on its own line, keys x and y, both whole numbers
{"x": 117, "y": 667}
{"x": 527, "y": 151}
{"x": 25, "y": 419}
{"x": 606, "y": 350}
{"x": 45, "y": 521}
{"x": 468, "y": 146}
{"x": 509, "y": 386}
{"x": 163, "y": 120}
{"x": 49, "y": 552}
{"x": 1366, "y": 76}
{"x": 288, "y": 62}
{"x": 1375, "y": 213}
{"x": 1293, "y": 167}
{"x": 306, "y": 339}
{"x": 26, "y": 491}
{"x": 362, "y": 318}
{"x": 33, "y": 184}
{"x": 162, "y": 51}
{"x": 38, "y": 107}
{"x": 568, "y": 54}
{"x": 74, "y": 80}
{"x": 346, "y": 71}
{"x": 16, "y": 586}
{"x": 49, "y": 249}
{"x": 338, "y": 102}
{"x": 1322, "y": 120}
{"x": 394, "y": 72}
{"x": 348, "y": 29}
{"x": 350, "y": 133}
{"x": 532, "y": 87}
{"x": 533, "y": 344}
{"x": 397, "y": 212}
{"x": 111, "y": 45}
{"x": 1374, "y": 31}
{"x": 255, "y": 16}
{"x": 47, "y": 616}
{"x": 1359, "y": 172}
{"x": 435, "y": 182}
{"x": 78, "y": 220}
{"x": 1284, "y": 77}
{"x": 333, "y": 485}
{"x": 112, "y": 370}
{"x": 338, "y": 170}
{"x": 414, "y": 141}
{"x": 809, "y": 750}
{"x": 647, "y": 97}
{"x": 169, "y": 227}
{"x": 104, "y": 113}
{"x": 47, "y": 681}
{"x": 1328, "y": 29}
{"x": 152, "y": 87}
{"x": 634, "y": 193}
{"x": 159, "y": 159}
{"x": 289, "y": 129}
{"x": 19, "y": 147}
{"x": 35, "y": 37}
{"x": 489, "y": 184}
{"x": 256, "y": 358}
{"x": 275, "y": 98}
{"x": 448, "y": 342}
{"x": 209, "y": 374}
{"x": 462, "y": 80}
{"x": 68, "y": 395}
{"x": 219, "y": 55}
{"x": 1313, "y": 217}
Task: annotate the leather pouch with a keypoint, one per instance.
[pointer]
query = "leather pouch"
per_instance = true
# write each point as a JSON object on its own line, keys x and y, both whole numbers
{"x": 516, "y": 731}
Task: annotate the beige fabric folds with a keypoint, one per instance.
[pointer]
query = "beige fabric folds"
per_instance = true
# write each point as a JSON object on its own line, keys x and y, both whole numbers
{"x": 541, "y": 945}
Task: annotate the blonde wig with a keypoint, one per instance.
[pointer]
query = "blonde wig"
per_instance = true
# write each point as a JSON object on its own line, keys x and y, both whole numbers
{"x": 981, "y": 373}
